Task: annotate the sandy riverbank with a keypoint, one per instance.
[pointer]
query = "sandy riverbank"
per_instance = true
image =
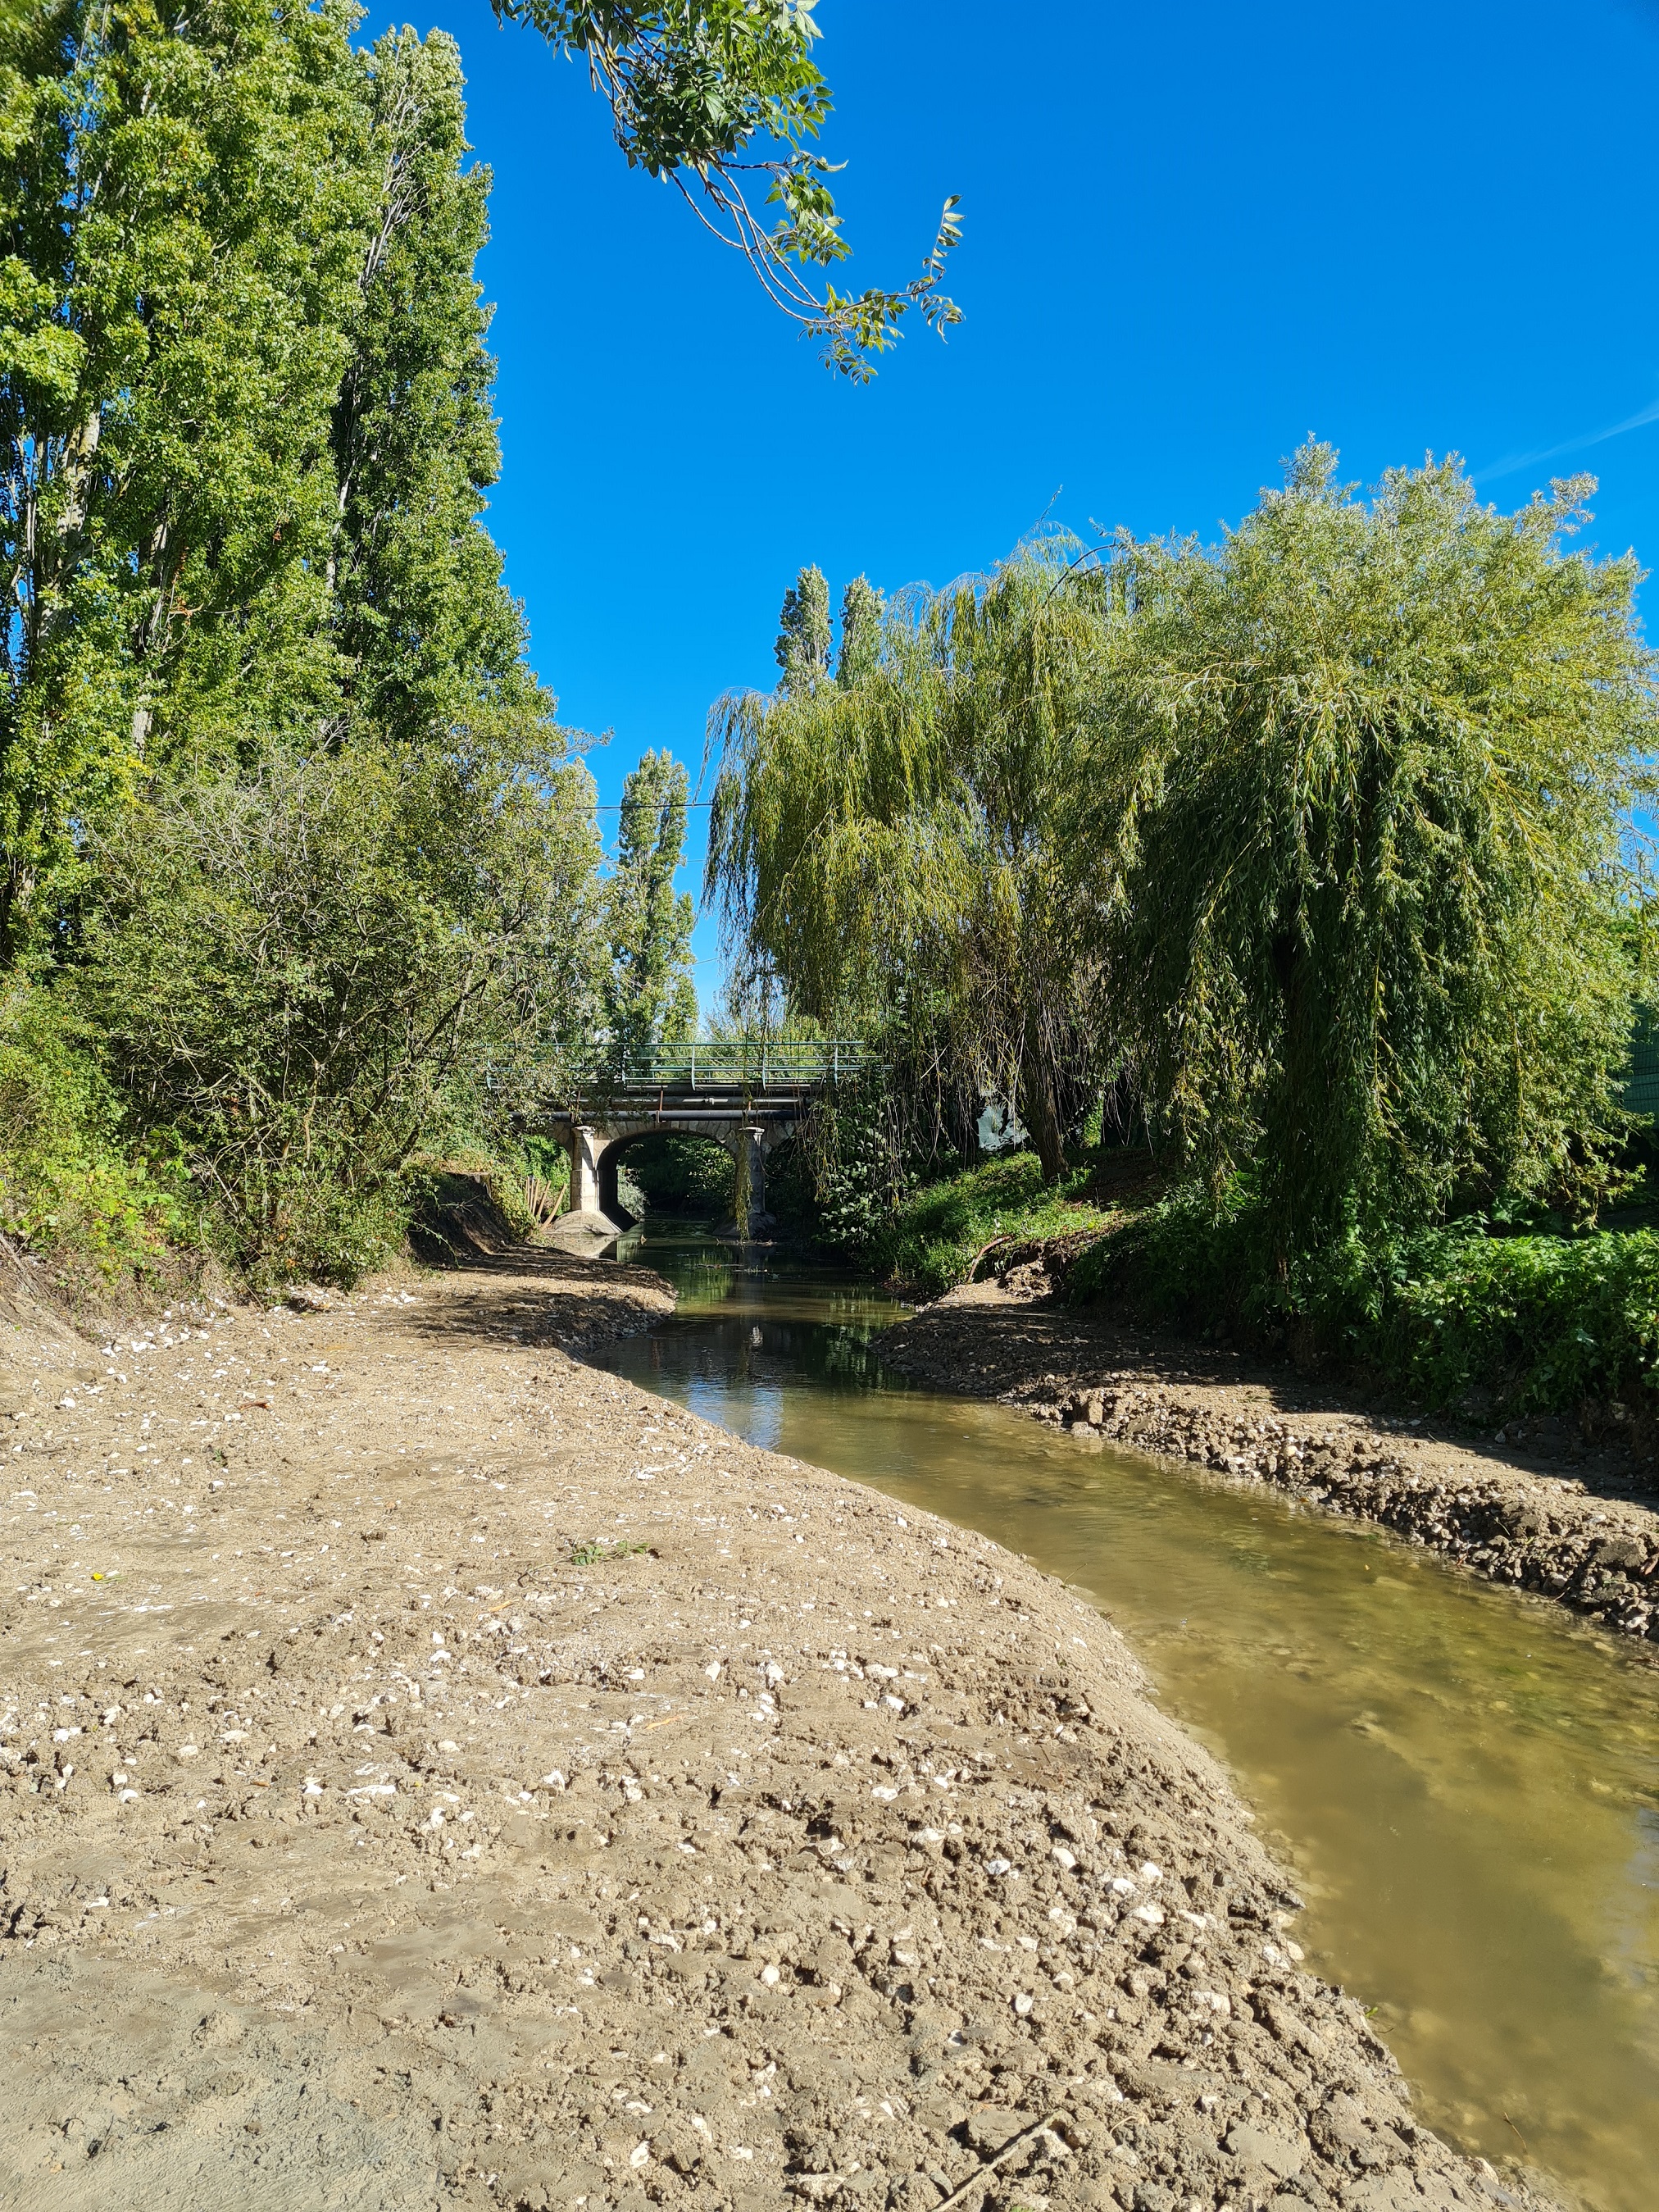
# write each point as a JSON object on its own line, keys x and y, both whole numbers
{"x": 436, "y": 1773}
{"x": 1544, "y": 1505}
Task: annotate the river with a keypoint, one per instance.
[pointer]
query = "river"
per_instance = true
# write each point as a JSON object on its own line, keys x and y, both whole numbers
{"x": 1465, "y": 1781}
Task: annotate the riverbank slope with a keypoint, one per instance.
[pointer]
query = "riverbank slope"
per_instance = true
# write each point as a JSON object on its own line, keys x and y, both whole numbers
{"x": 1542, "y": 1506}
{"x": 437, "y": 1773}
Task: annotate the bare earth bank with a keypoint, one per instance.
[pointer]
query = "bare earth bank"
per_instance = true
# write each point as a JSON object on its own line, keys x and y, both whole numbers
{"x": 436, "y": 1773}
{"x": 1542, "y": 1506}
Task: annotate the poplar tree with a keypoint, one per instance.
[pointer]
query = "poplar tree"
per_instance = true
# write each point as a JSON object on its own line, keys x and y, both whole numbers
{"x": 803, "y": 648}
{"x": 182, "y": 220}
{"x": 420, "y": 617}
{"x": 650, "y": 998}
{"x": 862, "y": 611}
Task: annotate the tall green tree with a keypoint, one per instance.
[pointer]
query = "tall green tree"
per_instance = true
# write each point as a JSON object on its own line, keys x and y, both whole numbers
{"x": 862, "y": 612}
{"x": 1362, "y": 784}
{"x": 803, "y": 645}
{"x": 895, "y": 849}
{"x": 182, "y": 218}
{"x": 650, "y": 997}
{"x": 421, "y": 619}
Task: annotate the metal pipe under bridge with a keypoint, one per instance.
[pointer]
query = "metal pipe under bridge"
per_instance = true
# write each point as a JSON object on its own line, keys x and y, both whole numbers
{"x": 747, "y": 1094}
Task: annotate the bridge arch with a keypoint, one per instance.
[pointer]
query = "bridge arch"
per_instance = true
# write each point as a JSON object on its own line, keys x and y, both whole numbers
{"x": 728, "y": 1142}
{"x": 597, "y": 1149}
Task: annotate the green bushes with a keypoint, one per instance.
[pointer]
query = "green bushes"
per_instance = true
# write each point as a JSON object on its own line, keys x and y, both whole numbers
{"x": 1182, "y": 1261}
{"x": 1542, "y": 1321}
{"x": 1548, "y": 1321}
{"x": 70, "y": 1179}
{"x": 691, "y": 1176}
{"x": 933, "y": 1236}
{"x": 302, "y": 980}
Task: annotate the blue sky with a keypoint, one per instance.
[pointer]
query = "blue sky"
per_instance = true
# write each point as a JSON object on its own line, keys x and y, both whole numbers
{"x": 1195, "y": 234}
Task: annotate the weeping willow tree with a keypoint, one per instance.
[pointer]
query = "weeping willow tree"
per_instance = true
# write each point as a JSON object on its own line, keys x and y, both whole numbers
{"x": 896, "y": 845}
{"x": 1365, "y": 771}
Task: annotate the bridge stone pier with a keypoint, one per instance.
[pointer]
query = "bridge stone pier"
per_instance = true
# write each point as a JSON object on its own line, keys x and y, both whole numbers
{"x": 747, "y": 1098}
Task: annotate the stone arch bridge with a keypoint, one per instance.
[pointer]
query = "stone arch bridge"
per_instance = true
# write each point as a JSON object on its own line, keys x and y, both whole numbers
{"x": 747, "y": 1097}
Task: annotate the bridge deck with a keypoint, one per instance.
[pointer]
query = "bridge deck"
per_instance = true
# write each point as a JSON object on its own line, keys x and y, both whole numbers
{"x": 708, "y": 1062}
{"x": 680, "y": 1102}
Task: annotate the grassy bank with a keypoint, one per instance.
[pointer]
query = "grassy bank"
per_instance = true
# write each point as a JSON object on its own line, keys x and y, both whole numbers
{"x": 1469, "y": 1316}
{"x": 936, "y": 1232}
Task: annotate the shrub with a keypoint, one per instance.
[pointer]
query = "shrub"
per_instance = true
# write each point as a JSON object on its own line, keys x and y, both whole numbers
{"x": 932, "y": 1238}
{"x": 303, "y": 979}
{"x": 1545, "y": 1322}
{"x": 68, "y": 1178}
{"x": 1548, "y": 1321}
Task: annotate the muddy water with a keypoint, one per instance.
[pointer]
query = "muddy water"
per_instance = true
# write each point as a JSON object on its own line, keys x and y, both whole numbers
{"x": 1466, "y": 1785}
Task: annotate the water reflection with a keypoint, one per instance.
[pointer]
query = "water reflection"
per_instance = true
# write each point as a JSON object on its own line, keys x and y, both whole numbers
{"x": 1467, "y": 1783}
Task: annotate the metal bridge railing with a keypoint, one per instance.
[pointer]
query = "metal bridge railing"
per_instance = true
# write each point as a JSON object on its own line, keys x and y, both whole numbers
{"x": 714, "y": 1062}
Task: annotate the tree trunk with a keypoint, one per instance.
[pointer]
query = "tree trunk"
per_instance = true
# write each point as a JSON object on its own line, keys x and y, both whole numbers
{"x": 1037, "y": 1110}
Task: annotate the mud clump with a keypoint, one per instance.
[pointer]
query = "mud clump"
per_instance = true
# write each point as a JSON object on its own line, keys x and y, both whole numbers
{"x": 436, "y": 1773}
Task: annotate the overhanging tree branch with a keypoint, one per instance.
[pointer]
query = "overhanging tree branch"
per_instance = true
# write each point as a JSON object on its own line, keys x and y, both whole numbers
{"x": 691, "y": 84}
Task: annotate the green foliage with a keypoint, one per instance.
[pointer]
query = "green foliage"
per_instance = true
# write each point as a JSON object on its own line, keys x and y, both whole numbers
{"x": 898, "y": 849}
{"x": 1188, "y": 1260}
{"x": 307, "y": 975}
{"x": 691, "y": 85}
{"x": 650, "y": 998}
{"x": 803, "y": 647}
{"x": 1362, "y": 784}
{"x": 1549, "y": 1321}
{"x": 931, "y": 1238}
{"x": 185, "y": 212}
{"x": 68, "y": 1178}
{"x": 544, "y": 1166}
{"x": 850, "y": 1154}
{"x": 1545, "y": 1322}
{"x": 1311, "y": 852}
{"x": 863, "y": 610}
{"x": 287, "y": 834}
{"x": 420, "y": 617}
{"x": 602, "y": 1554}
{"x": 684, "y": 1174}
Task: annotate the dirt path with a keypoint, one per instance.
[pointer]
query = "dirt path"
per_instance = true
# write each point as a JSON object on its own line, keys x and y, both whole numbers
{"x": 1541, "y": 1505}
{"x": 436, "y": 1773}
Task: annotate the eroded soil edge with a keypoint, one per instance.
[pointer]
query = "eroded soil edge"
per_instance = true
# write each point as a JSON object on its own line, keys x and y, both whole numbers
{"x": 437, "y": 1773}
{"x": 1542, "y": 1507}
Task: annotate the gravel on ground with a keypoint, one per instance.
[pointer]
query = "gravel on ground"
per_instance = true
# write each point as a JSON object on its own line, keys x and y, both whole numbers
{"x": 436, "y": 1773}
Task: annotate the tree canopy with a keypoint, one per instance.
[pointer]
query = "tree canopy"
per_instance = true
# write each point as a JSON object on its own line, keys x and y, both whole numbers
{"x": 1365, "y": 775}
{"x": 294, "y": 854}
{"x": 892, "y": 841}
{"x": 649, "y": 994}
{"x": 1317, "y": 844}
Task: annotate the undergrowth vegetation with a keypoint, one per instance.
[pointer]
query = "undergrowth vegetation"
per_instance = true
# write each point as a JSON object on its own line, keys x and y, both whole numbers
{"x": 70, "y": 1178}
{"x": 1452, "y": 1316}
{"x": 1476, "y": 1314}
{"x": 933, "y": 1236}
